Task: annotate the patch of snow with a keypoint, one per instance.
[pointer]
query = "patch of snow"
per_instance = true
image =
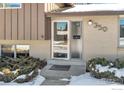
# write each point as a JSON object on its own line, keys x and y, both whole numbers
{"x": 31, "y": 73}
{"x": 111, "y": 64}
{"x": 119, "y": 73}
{"x": 21, "y": 77}
{"x": 38, "y": 80}
{"x": 101, "y": 68}
{"x": 65, "y": 79}
{"x": 96, "y": 7}
{"x": 15, "y": 71}
{"x": 1, "y": 73}
{"x": 93, "y": 69}
{"x": 112, "y": 69}
{"x": 87, "y": 79}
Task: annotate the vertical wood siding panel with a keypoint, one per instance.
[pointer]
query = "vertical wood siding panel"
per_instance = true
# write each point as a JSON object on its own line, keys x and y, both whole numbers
{"x": 47, "y": 28}
{"x": 27, "y": 21}
{"x": 14, "y": 24}
{"x": 21, "y": 23}
{"x": 34, "y": 21}
{"x": 2, "y": 24}
{"x": 8, "y": 24}
{"x": 41, "y": 20}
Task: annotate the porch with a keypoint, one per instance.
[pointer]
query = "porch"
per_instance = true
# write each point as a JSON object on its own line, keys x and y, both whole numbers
{"x": 57, "y": 70}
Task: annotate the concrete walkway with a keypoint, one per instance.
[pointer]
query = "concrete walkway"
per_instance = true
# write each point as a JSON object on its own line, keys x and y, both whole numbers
{"x": 55, "y": 82}
{"x": 53, "y": 77}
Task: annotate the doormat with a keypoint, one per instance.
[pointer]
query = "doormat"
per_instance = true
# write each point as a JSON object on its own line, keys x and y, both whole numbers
{"x": 60, "y": 67}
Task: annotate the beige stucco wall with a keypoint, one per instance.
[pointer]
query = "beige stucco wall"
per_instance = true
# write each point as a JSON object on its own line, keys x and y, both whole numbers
{"x": 38, "y": 48}
{"x": 97, "y": 43}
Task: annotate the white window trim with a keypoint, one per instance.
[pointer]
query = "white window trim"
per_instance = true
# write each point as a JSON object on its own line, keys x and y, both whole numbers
{"x": 68, "y": 45}
{"x": 14, "y": 51}
{"x": 119, "y": 39}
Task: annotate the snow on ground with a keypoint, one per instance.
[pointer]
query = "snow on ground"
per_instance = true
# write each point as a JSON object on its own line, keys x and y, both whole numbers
{"x": 38, "y": 80}
{"x": 64, "y": 79}
{"x": 105, "y": 68}
{"x": 21, "y": 77}
{"x": 1, "y": 73}
{"x": 87, "y": 79}
{"x": 118, "y": 72}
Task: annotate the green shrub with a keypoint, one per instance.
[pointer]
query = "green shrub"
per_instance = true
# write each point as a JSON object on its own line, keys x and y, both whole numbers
{"x": 1, "y": 77}
{"x": 118, "y": 63}
{"x": 9, "y": 77}
{"x": 92, "y": 63}
{"x": 24, "y": 64}
{"x": 28, "y": 78}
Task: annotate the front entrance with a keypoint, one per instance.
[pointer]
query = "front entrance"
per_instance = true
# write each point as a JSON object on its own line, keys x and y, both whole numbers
{"x": 66, "y": 40}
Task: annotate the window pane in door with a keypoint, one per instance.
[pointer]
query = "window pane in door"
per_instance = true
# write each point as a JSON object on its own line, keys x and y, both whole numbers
{"x": 60, "y": 40}
{"x": 60, "y": 33}
{"x": 76, "y": 42}
{"x": 7, "y": 50}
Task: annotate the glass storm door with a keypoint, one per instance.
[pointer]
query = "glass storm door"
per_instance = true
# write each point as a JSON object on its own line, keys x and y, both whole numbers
{"x": 60, "y": 40}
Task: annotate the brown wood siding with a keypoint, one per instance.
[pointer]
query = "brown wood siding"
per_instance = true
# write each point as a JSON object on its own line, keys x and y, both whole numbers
{"x": 21, "y": 34}
{"x": 26, "y": 23}
{"x": 47, "y": 28}
{"x": 34, "y": 22}
{"x": 2, "y": 12}
{"x": 8, "y": 23}
{"x": 14, "y": 24}
{"x": 41, "y": 22}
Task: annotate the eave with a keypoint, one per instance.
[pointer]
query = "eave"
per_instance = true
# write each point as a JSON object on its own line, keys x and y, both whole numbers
{"x": 89, "y": 13}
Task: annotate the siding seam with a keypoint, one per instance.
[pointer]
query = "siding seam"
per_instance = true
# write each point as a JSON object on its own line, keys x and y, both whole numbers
{"x": 24, "y": 21}
{"x": 11, "y": 24}
{"x": 17, "y": 26}
{"x": 4, "y": 24}
{"x": 37, "y": 21}
{"x": 30, "y": 21}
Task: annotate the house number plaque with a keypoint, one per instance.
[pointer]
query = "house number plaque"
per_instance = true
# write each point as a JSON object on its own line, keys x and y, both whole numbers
{"x": 100, "y": 27}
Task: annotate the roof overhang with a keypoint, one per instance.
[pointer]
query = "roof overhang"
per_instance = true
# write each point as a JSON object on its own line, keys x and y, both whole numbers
{"x": 89, "y": 13}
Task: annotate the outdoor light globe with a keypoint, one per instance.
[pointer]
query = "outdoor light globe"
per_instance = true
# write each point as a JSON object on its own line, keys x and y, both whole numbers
{"x": 90, "y": 22}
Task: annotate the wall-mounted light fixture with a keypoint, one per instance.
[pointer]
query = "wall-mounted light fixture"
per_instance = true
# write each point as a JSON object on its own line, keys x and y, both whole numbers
{"x": 97, "y": 25}
{"x": 90, "y": 22}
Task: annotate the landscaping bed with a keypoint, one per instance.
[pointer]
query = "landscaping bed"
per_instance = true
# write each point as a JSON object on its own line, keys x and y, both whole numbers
{"x": 20, "y": 70}
{"x": 110, "y": 70}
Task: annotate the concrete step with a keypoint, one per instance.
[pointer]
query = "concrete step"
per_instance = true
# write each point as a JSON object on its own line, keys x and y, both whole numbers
{"x": 65, "y": 62}
{"x": 55, "y": 74}
{"x": 54, "y": 82}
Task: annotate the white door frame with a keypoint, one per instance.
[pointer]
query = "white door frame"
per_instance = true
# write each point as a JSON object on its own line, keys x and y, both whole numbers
{"x": 68, "y": 38}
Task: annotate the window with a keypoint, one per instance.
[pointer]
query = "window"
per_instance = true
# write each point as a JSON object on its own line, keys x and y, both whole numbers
{"x": 121, "y": 32}
{"x": 7, "y": 50}
{"x": 10, "y": 5}
{"x": 15, "y": 50}
{"x": 62, "y": 26}
{"x": 22, "y": 50}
